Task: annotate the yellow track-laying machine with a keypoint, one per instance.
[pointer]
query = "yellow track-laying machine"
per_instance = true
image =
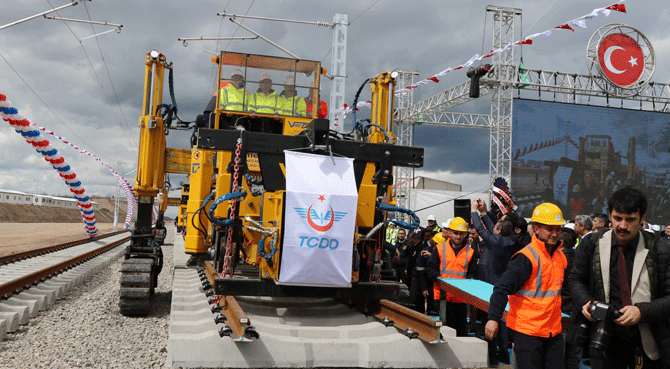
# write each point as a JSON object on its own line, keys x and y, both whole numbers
{"x": 277, "y": 202}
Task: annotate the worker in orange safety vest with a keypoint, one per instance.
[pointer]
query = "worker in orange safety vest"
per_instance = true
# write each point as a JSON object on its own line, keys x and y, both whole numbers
{"x": 455, "y": 258}
{"x": 533, "y": 282}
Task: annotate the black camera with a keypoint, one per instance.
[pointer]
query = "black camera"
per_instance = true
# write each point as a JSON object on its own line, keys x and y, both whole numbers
{"x": 604, "y": 314}
{"x": 600, "y": 332}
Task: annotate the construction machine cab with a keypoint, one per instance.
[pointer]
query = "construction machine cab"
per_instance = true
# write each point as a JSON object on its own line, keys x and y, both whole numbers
{"x": 264, "y": 93}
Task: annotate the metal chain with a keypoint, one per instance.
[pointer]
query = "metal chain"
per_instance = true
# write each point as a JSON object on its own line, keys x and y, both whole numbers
{"x": 233, "y": 205}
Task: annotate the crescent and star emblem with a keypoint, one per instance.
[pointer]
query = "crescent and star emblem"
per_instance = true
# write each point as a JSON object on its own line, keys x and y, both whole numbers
{"x": 608, "y": 59}
{"x": 314, "y": 218}
{"x": 621, "y": 59}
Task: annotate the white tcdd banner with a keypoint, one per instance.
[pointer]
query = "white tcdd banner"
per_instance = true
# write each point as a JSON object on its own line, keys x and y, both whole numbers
{"x": 321, "y": 201}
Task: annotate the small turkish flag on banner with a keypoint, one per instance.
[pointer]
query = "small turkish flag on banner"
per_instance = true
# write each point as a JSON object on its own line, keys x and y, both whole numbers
{"x": 434, "y": 79}
{"x": 565, "y": 26}
{"x": 617, "y": 7}
{"x": 525, "y": 42}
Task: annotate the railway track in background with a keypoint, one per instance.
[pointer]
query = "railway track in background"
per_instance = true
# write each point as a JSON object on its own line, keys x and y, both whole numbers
{"x": 32, "y": 281}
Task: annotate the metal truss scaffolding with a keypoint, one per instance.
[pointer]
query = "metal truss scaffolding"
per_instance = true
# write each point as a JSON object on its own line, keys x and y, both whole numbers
{"x": 500, "y": 84}
{"x": 504, "y": 67}
{"x": 403, "y": 175}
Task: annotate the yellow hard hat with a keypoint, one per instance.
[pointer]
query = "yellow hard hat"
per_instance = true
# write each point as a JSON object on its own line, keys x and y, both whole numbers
{"x": 548, "y": 213}
{"x": 458, "y": 224}
{"x": 438, "y": 238}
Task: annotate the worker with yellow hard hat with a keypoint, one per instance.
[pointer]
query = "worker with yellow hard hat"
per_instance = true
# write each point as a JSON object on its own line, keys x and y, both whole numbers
{"x": 455, "y": 258}
{"x": 533, "y": 282}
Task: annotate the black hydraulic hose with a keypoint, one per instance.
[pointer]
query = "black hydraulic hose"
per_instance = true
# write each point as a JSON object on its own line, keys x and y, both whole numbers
{"x": 358, "y": 93}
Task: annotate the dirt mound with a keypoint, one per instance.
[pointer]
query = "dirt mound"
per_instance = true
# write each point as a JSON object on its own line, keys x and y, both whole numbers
{"x": 14, "y": 213}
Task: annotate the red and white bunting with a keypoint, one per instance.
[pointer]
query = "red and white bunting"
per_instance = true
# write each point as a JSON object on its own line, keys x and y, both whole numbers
{"x": 528, "y": 40}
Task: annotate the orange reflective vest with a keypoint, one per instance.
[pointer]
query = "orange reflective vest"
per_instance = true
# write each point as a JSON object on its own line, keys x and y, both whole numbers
{"x": 452, "y": 266}
{"x": 535, "y": 309}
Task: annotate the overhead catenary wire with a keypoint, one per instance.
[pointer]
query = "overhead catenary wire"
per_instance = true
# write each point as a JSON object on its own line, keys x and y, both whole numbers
{"x": 95, "y": 73}
{"x": 373, "y": 4}
{"x": 545, "y": 12}
{"x": 215, "y": 67}
{"x": 42, "y": 100}
{"x": 111, "y": 82}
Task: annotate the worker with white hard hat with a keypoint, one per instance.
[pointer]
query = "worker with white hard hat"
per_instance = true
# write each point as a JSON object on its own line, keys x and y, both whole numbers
{"x": 265, "y": 101}
{"x": 432, "y": 224}
{"x": 289, "y": 103}
{"x": 232, "y": 95}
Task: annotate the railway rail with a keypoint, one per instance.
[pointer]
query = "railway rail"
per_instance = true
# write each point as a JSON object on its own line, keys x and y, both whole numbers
{"x": 32, "y": 281}
{"x": 261, "y": 331}
{"x": 45, "y": 250}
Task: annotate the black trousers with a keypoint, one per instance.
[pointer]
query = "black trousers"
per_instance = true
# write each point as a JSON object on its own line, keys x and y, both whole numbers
{"x": 455, "y": 315}
{"x": 499, "y": 343}
{"x": 573, "y": 356}
{"x": 621, "y": 354}
{"x": 537, "y": 352}
{"x": 417, "y": 301}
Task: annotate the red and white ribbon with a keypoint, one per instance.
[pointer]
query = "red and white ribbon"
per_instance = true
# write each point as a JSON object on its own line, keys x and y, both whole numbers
{"x": 32, "y": 135}
{"x": 131, "y": 198}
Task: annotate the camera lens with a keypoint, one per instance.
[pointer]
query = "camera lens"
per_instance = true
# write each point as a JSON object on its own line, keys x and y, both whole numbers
{"x": 580, "y": 333}
{"x": 601, "y": 335}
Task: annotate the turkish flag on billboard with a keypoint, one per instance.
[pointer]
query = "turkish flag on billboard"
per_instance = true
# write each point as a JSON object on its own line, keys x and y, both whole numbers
{"x": 621, "y": 59}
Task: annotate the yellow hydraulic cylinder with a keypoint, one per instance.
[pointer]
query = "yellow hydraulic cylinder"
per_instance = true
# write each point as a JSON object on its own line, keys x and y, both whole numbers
{"x": 197, "y": 225}
{"x": 151, "y": 156}
{"x": 383, "y": 87}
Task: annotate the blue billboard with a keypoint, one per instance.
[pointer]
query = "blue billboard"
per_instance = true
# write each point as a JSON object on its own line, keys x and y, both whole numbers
{"x": 575, "y": 156}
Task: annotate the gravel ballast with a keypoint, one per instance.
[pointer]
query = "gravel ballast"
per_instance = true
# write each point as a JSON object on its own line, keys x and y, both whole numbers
{"x": 85, "y": 328}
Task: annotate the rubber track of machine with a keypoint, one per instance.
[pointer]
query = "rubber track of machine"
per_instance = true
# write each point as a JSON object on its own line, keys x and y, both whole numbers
{"x": 136, "y": 287}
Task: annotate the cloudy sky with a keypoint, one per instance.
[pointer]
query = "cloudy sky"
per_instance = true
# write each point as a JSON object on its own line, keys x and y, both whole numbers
{"x": 90, "y": 91}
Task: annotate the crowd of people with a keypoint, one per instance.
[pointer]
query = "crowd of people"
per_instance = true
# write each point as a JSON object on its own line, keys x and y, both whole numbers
{"x": 610, "y": 273}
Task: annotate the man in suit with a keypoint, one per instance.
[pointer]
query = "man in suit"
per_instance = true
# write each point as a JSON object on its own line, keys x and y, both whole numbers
{"x": 629, "y": 270}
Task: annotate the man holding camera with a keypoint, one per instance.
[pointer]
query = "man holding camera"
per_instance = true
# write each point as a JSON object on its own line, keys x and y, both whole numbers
{"x": 533, "y": 281}
{"x": 621, "y": 281}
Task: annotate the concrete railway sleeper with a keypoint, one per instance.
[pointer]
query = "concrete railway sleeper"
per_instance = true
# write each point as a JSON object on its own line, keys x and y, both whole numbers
{"x": 32, "y": 284}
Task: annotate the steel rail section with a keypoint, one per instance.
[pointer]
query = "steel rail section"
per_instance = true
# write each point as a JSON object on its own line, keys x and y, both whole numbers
{"x": 408, "y": 321}
{"x": 482, "y": 304}
{"x": 466, "y": 297}
{"x": 30, "y": 253}
{"x": 236, "y": 319}
{"x": 16, "y": 285}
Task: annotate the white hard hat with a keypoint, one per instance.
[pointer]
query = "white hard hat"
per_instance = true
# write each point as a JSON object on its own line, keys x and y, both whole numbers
{"x": 237, "y": 72}
{"x": 570, "y": 225}
{"x": 431, "y": 217}
{"x": 265, "y": 76}
{"x": 446, "y": 224}
{"x": 289, "y": 80}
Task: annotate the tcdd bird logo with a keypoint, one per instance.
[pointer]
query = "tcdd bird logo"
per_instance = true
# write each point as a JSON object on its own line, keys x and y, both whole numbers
{"x": 324, "y": 216}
